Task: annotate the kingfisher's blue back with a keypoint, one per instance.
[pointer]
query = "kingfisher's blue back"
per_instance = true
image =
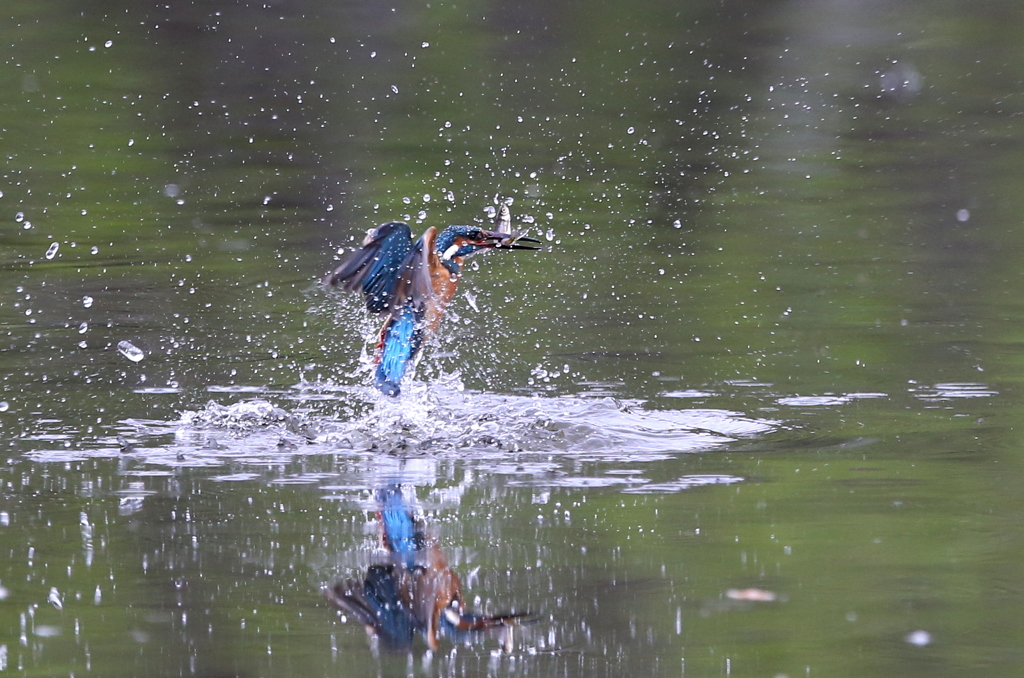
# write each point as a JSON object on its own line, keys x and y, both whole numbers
{"x": 400, "y": 343}
{"x": 403, "y": 534}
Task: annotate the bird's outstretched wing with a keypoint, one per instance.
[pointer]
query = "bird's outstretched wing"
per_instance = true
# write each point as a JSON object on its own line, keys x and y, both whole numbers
{"x": 377, "y": 266}
{"x": 377, "y": 602}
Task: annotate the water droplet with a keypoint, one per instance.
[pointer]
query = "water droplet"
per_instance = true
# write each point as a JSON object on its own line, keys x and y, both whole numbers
{"x": 83, "y": 328}
{"x": 630, "y": 130}
{"x": 87, "y": 301}
{"x": 131, "y": 142}
{"x": 94, "y": 250}
{"x": 963, "y": 215}
{"x": 108, "y": 44}
{"x": 27, "y": 225}
{"x": 4, "y": 406}
{"x": 51, "y": 251}
{"x": 406, "y": 200}
{"x": 425, "y": 45}
{"x": 677, "y": 223}
{"x": 426, "y": 197}
{"x": 171, "y": 190}
{"x": 919, "y": 638}
{"x": 394, "y": 88}
{"x": 130, "y": 351}
{"x": 19, "y": 217}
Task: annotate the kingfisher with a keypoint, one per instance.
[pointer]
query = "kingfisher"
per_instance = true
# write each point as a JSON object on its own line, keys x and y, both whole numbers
{"x": 417, "y": 591}
{"x": 411, "y": 283}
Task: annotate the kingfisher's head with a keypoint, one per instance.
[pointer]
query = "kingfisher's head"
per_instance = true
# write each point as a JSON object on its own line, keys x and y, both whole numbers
{"x": 455, "y": 243}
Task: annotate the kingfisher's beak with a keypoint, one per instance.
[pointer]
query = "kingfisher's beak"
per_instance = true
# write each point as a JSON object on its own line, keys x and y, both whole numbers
{"x": 508, "y": 241}
{"x": 515, "y": 243}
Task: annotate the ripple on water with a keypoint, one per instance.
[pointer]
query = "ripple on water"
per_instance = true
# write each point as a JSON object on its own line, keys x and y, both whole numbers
{"x": 953, "y": 391}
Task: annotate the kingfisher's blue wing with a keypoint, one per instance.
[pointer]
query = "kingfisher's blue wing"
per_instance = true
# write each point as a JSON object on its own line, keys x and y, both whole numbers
{"x": 394, "y": 274}
{"x": 377, "y": 267}
{"x": 414, "y": 283}
{"x": 378, "y": 604}
{"x": 403, "y": 333}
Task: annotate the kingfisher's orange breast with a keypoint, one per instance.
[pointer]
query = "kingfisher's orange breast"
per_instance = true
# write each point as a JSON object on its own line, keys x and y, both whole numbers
{"x": 444, "y": 284}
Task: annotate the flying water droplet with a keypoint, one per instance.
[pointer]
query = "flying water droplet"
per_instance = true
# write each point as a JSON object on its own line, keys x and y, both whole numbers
{"x": 130, "y": 351}
{"x": 919, "y": 638}
{"x": 394, "y": 88}
{"x": 54, "y": 598}
{"x": 83, "y": 328}
{"x": 4, "y": 406}
{"x": 87, "y": 301}
{"x": 51, "y": 252}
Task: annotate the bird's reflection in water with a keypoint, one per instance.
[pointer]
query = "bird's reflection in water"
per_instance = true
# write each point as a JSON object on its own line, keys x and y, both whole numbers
{"x": 415, "y": 591}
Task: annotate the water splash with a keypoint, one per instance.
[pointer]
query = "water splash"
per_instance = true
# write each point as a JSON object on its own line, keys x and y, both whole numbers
{"x": 363, "y": 437}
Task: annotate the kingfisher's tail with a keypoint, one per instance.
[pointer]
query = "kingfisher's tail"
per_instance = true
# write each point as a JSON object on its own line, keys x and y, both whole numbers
{"x": 400, "y": 342}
